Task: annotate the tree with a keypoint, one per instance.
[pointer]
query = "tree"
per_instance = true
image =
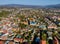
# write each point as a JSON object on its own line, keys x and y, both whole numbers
{"x": 4, "y": 13}
{"x": 43, "y": 36}
{"x": 22, "y": 25}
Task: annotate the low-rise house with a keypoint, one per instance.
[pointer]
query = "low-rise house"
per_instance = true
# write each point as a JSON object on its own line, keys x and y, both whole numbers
{"x": 25, "y": 22}
{"x": 2, "y": 42}
{"x": 59, "y": 18}
{"x": 52, "y": 26}
{"x": 11, "y": 42}
{"x": 33, "y": 23}
{"x": 42, "y": 27}
{"x": 4, "y": 37}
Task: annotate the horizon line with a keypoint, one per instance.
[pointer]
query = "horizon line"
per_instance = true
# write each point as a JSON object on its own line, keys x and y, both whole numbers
{"x": 26, "y": 4}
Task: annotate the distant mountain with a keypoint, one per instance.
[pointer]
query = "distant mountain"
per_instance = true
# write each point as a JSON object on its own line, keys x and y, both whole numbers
{"x": 31, "y": 6}
{"x": 21, "y": 6}
{"x": 53, "y": 6}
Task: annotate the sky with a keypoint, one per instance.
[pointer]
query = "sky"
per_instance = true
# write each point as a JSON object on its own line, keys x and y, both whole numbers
{"x": 30, "y": 2}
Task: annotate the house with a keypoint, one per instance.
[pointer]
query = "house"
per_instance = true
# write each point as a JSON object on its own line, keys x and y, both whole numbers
{"x": 11, "y": 42}
{"x": 4, "y": 37}
{"x": 52, "y": 26}
{"x": 54, "y": 17}
{"x": 58, "y": 18}
{"x": 32, "y": 23}
{"x": 16, "y": 39}
{"x": 1, "y": 42}
{"x": 43, "y": 27}
{"x": 25, "y": 22}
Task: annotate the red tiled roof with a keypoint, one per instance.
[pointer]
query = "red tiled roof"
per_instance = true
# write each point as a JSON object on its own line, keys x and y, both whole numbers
{"x": 4, "y": 37}
{"x": 1, "y": 42}
{"x": 43, "y": 41}
{"x": 19, "y": 39}
{"x": 5, "y": 31}
{"x": 11, "y": 42}
{"x": 16, "y": 39}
